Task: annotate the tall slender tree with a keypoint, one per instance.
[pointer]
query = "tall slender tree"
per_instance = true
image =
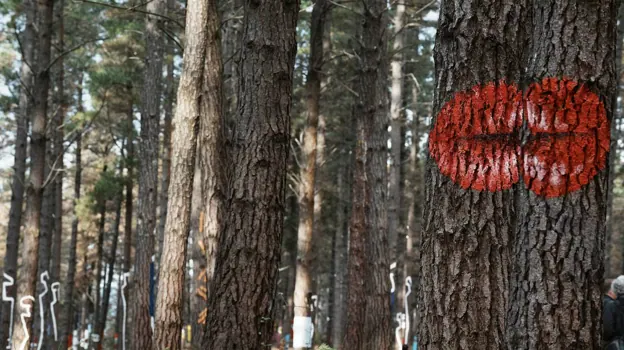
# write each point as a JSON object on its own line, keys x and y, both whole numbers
{"x": 198, "y": 112}
{"x": 307, "y": 173}
{"x": 248, "y": 254}
{"x": 368, "y": 312}
{"x": 559, "y": 241}
{"x": 34, "y": 191}
{"x": 67, "y": 324}
{"x": 27, "y": 40}
{"x": 148, "y": 175}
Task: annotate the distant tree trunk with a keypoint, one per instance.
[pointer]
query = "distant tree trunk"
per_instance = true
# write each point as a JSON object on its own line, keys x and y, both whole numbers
{"x": 307, "y": 173}
{"x": 613, "y": 265}
{"x": 59, "y": 153}
{"x": 166, "y": 150}
{"x": 148, "y": 177}
{"x": 558, "y": 248}
{"x": 413, "y": 189}
{"x": 99, "y": 248}
{"x": 244, "y": 283}
{"x": 396, "y": 125}
{"x": 201, "y": 77}
{"x": 27, "y": 40}
{"x": 67, "y": 327}
{"x": 368, "y": 311}
{"x": 100, "y": 323}
{"x": 34, "y": 191}
{"x": 130, "y": 161}
{"x": 339, "y": 264}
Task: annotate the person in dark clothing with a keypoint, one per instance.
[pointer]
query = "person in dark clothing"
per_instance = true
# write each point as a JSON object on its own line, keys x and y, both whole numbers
{"x": 613, "y": 312}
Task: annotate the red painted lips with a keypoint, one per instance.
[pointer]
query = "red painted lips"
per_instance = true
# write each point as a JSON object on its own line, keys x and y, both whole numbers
{"x": 476, "y": 137}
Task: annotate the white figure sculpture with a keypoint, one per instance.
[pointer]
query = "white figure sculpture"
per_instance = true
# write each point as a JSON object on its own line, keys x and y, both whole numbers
{"x": 44, "y": 280}
{"x": 408, "y": 285}
{"x": 9, "y": 281}
{"x": 123, "y": 301}
{"x": 400, "y": 318}
{"x": 392, "y": 267}
{"x": 56, "y": 290}
{"x": 24, "y": 315}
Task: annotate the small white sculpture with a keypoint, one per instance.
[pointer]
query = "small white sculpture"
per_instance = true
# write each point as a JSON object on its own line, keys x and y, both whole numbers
{"x": 9, "y": 281}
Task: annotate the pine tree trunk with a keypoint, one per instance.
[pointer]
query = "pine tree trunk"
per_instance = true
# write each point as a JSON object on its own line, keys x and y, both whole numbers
{"x": 98, "y": 266}
{"x": 34, "y": 191}
{"x": 557, "y": 276}
{"x": 244, "y": 283}
{"x": 100, "y": 323}
{"x": 148, "y": 177}
{"x": 396, "y": 125}
{"x": 27, "y": 40}
{"x": 166, "y": 149}
{"x": 127, "y": 240}
{"x": 468, "y": 226}
{"x": 339, "y": 264}
{"x": 59, "y": 153}
{"x": 368, "y": 311}
{"x": 201, "y": 77}
{"x": 307, "y": 174}
{"x": 67, "y": 326}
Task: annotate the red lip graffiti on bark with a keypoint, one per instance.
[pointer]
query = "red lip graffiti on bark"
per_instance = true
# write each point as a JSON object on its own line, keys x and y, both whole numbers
{"x": 476, "y": 138}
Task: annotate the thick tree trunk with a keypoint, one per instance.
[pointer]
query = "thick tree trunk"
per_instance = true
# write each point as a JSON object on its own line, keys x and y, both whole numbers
{"x": 201, "y": 77}
{"x": 34, "y": 192}
{"x": 469, "y": 214}
{"x": 148, "y": 177}
{"x": 244, "y": 283}
{"x": 368, "y": 311}
{"x": 67, "y": 326}
{"x": 27, "y": 40}
{"x": 307, "y": 174}
{"x": 555, "y": 291}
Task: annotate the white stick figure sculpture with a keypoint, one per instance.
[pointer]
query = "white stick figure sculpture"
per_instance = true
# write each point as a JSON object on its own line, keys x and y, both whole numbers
{"x": 9, "y": 281}
{"x": 24, "y": 315}
{"x": 123, "y": 301}
{"x": 55, "y": 296}
{"x": 400, "y": 318}
{"x": 393, "y": 286}
{"x": 44, "y": 280}
{"x": 408, "y": 285}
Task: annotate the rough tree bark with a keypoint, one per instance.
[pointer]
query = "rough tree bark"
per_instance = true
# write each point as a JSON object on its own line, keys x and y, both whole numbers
{"x": 368, "y": 312}
{"x": 199, "y": 109}
{"x": 67, "y": 325}
{"x": 34, "y": 190}
{"x": 27, "y": 40}
{"x": 307, "y": 173}
{"x": 468, "y": 213}
{"x": 244, "y": 283}
{"x": 555, "y": 290}
{"x": 148, "y": 176}
{"x": 339, "y": 263}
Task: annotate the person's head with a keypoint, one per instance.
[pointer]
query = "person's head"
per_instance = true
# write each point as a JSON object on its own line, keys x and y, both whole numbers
{"x": 617, "y": 286}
